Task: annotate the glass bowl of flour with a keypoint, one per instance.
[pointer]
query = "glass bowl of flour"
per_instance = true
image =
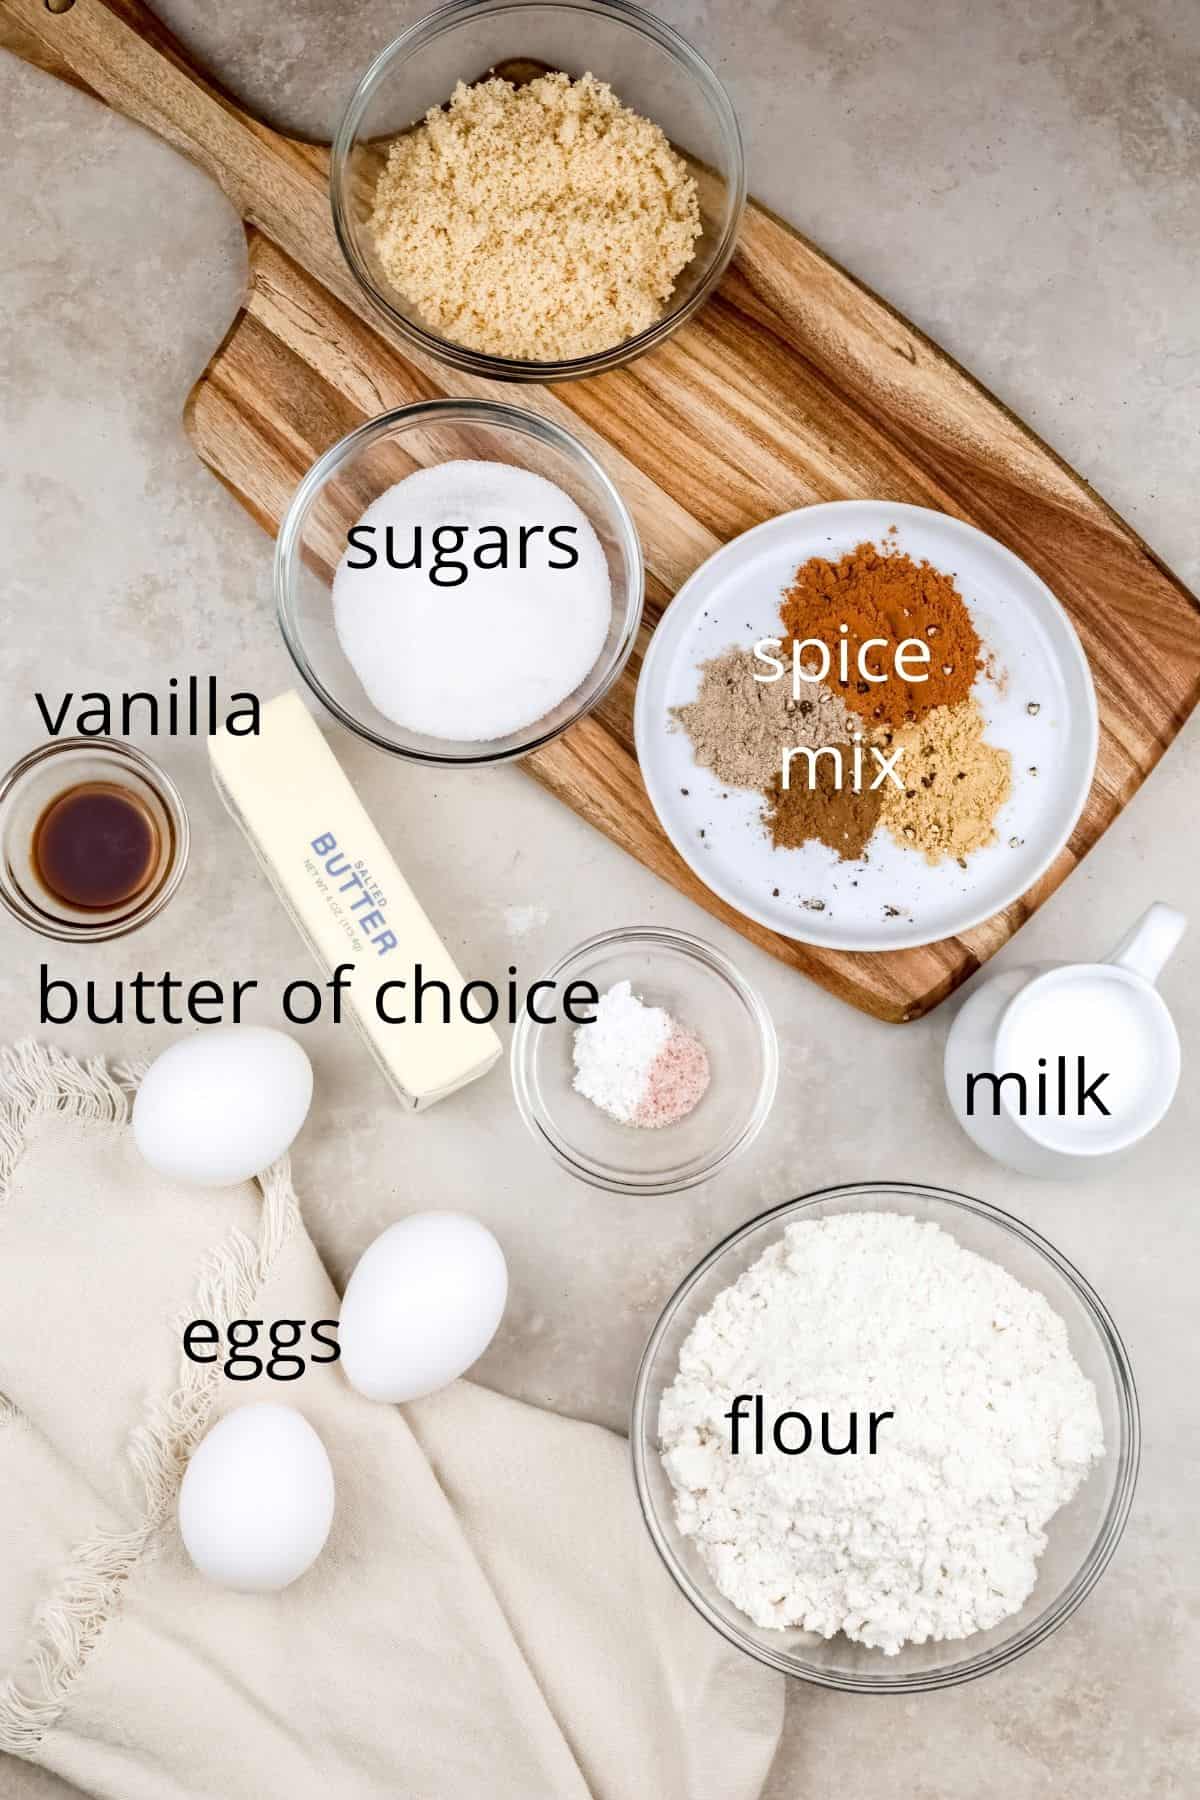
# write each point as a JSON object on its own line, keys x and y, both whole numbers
{"x": 885, "y": 1438}
{"x": 458, "y": 581}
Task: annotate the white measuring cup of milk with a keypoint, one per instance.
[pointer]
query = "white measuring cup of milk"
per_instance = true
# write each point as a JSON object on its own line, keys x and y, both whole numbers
{"x": 1052, "y": 1070}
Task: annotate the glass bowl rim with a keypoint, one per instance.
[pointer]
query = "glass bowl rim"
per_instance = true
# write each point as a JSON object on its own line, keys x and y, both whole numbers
{"x": 664, "y": 1182}
{"x": 1112, "y": 1527}
{"x": 497, "y": 414}
{"x": 459, "y": 356}
{"x": 167, "y": 790}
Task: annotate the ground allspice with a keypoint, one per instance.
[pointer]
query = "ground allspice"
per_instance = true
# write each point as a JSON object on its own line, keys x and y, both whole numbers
{"x": 877, "y": 592}
{"x": 740, "y": 727}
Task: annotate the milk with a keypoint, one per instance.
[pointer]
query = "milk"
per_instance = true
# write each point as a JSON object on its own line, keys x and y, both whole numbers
{"x": 1087, "y": 1058}
{"x": 1091, "y": 1053}
{"x": 1052, "y": 1070}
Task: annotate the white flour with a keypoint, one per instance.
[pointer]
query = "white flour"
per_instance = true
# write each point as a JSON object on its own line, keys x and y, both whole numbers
{"x": 937, "y": 1534}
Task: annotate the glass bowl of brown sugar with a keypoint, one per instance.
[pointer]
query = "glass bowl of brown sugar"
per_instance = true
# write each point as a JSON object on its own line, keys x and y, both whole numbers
{"x": 661, "y": 89}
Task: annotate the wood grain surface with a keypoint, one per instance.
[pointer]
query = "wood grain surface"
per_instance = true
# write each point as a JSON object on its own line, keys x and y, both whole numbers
{"x": 793, "y": 385}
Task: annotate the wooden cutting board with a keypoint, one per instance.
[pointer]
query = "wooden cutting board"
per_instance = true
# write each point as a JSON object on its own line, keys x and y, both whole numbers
{"x": 793, "y": 385}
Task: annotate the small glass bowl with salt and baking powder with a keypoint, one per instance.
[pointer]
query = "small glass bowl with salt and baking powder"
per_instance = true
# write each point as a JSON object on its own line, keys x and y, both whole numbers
{"x": 711, "y": 1073}
{"x": 458, "y": 582}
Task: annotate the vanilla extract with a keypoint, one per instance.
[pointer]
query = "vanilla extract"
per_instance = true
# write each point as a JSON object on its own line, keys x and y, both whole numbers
{"x": 191, "y": 708}
{"x": 96, "y": 846}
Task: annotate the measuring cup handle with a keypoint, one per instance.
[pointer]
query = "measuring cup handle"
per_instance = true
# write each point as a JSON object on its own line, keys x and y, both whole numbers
{"x": 1147, "y": 945}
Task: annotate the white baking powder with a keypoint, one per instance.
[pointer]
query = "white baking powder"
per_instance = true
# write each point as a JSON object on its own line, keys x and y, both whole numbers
{"x": 938, "y": 1533}
{"x": 637, "y": 1063}
{"x": 458, "y": 646}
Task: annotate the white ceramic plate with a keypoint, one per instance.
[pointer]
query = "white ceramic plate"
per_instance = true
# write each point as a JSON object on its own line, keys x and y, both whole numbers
{"x": 893, "y": 899}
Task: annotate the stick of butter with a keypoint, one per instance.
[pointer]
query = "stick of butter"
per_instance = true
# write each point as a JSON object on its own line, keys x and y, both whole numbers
{"x": 337, "y": 879}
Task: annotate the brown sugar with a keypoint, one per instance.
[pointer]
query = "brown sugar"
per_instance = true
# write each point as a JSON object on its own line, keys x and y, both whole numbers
{"x": 544, "y": 222}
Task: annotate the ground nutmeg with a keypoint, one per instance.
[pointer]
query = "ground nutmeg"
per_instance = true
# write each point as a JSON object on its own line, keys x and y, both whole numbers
{"x": 832, "y": 814}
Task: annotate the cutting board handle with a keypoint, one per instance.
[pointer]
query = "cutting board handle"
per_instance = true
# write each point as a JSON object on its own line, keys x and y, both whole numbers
{"x": 119, "y": 51}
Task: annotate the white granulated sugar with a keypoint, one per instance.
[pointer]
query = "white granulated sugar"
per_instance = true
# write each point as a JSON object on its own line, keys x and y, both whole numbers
{"x": 935, "y": 1536}
{"x": 498, "y": 650}
{"x": 615, "y": 1053}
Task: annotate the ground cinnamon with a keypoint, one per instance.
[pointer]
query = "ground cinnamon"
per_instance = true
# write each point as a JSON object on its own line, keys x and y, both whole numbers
{"x": 882, "y": 593}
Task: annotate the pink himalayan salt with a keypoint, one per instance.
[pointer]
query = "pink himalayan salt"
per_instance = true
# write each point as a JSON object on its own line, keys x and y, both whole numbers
{"x": 677, "y": 1081}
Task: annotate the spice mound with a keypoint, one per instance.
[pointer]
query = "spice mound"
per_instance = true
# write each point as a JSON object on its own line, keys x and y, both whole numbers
{"x": 544, "y": 222}
{"x": 954, "y": 784}
{"x": 866, "y": 720}
{"x": 823, "y": 812}
{"x": 947, "y": 1424}
{"x": 461, "y": 621}
{"x": 739, "y": 726}
{"x": 638, "y": 1064}
{"x": 879, "y": 595}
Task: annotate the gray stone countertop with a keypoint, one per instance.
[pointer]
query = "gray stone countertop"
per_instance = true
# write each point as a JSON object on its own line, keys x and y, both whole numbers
{"x": 1020, "y": 178}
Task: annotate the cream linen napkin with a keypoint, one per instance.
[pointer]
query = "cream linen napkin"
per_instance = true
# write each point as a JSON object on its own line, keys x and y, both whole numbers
{"x": 488, "y": 1618}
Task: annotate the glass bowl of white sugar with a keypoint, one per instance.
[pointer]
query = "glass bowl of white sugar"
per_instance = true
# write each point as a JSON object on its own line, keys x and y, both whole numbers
{"x": 885, "y": 1438}
{"x": 459, "y": 581}
{"x": 655, "y": 1066}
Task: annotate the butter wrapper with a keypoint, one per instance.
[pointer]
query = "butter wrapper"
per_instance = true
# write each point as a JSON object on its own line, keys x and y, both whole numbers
{"x": 340, "y": 884}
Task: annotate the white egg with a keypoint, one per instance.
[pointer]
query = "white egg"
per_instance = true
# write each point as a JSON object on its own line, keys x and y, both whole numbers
{"x": 422, "y": 1305}
{"x": 256, "y": 1502}
{"x": 218, "y": 1107}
